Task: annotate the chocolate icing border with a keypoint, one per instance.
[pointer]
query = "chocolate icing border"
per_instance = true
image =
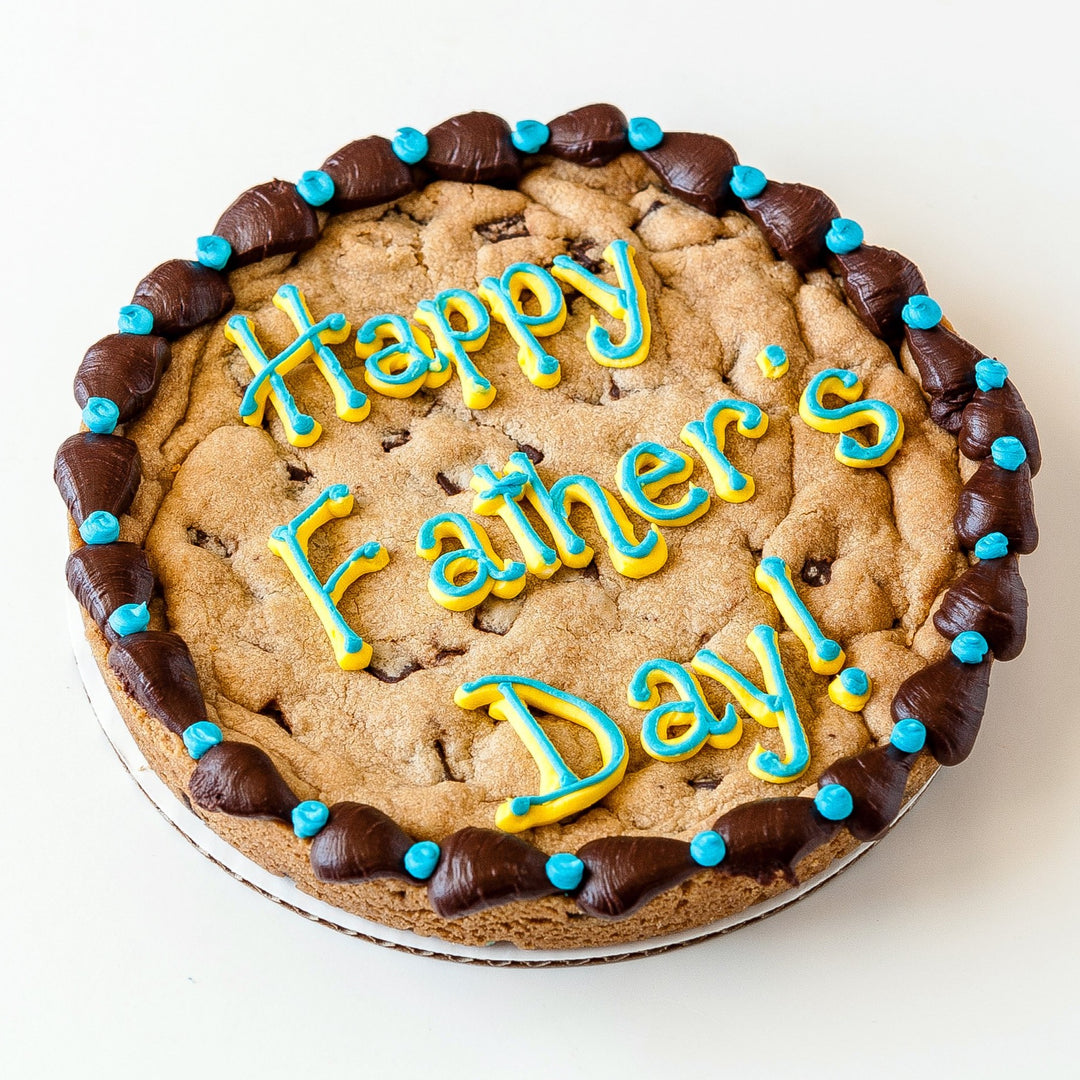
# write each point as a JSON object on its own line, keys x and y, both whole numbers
{"x": 875, "y": 294}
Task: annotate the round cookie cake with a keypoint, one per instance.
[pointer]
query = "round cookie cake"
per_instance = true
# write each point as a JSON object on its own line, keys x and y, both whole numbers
{"x": 559, "y": 535}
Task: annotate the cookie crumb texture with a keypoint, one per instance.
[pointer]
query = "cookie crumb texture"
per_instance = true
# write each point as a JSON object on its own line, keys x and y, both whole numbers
{"x": 870, "y": 550}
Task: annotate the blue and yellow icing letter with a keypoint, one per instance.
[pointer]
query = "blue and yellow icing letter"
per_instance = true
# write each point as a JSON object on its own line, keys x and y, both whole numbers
{"x": 453, "y": 346}
{"x": 397, "y": 360}
{"x": 645, "y": 470}
{"x": 773, "y": 708}
{"x": 691, "y": 711}
{"x": 856, "y": 414}
{"x": 562, "y": 791}
{"x": 503, "y": 296}
{"x": 475, "y": 556}
{"x": 268, "y": 384}
{"x": 626, "y": 302}
{"x": 773, "y": 576}
{"x": 706, "y": 437}
{"x": 501, "y": 495}
{"x": 290, "y": 542}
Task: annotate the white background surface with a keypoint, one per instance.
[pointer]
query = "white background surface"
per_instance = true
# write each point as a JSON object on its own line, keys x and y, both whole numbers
{"x": 948, "y": 130}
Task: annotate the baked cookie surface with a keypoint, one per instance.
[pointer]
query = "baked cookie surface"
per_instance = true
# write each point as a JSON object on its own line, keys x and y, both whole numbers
{"x": 607, "y": 832}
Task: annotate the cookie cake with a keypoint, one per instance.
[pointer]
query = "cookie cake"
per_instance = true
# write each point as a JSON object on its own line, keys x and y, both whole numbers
{"x": 557, "y": 534}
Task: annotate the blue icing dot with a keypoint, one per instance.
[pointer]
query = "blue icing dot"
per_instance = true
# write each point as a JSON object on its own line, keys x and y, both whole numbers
{"x": 519, "y": 807}
{"x": 844, "y": 236}
{"x": 747, "y": 182}
{"x": 775, "y": 354}
{"x": 101, "y": 415}
{"x": 309, "y": 817}
{"x": 315, "y": 187}
{"x": 834, "y": 802}
{"x": 1008, "y": 453}
{"x": 421, "y": 859}
{"x": 993, "y": 545}
{"x": 213, "y": 251}
{"x": 529, "y": 135}
{"x": 565, "y": 871}
{"x": 969, "y": 647}
{"x": 100, "y": 527}
{"x": 829, "y": 650}
{"x": 643, "y": 133}
{"x": 921, "y": 312}
{"x": 304, "y": 425}
{"x": 130, "y": 619}
{"x": 990, "y": 374}
{"x": 909, "y": 735}
{"x": 410, "y": 145}
{"x": 135, "y": 319}
{"x": 855, "y": 681}
{"x": 336, "y": 321}
{"x": 708, "y": 848}
{"x": 200, "y": 737}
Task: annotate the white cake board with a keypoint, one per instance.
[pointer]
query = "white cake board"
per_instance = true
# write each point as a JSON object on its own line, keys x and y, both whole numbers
{"x": 283, "y": 891}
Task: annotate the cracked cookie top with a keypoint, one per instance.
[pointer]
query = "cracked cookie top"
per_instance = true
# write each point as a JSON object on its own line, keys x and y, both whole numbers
{"x": 869, "y": 550}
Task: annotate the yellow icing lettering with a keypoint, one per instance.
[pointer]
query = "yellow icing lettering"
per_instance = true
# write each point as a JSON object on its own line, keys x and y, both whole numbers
{"x": 645, "y": 470}
{"x": 773, "y": 576}
{"x": 707, "y": 437}
{"x": 268, "y": 385}
{"x": 775, "y": 707}
{"x": 504, "y": 296}
{"x": 889, "y": 424}
{"x": 851, "y": 689}
{"x": 397, "y": 360}
{"x": 453, "y": 346}
{"x": 626, "y": 302}
{"x": 500, "y": 495}
{"x": 773, "y": 361}
{"x": 290, "y": 542}
{"x": 475, "y": 557}
{"x": 691, "y": 712}
{"x": 562, "y": 791}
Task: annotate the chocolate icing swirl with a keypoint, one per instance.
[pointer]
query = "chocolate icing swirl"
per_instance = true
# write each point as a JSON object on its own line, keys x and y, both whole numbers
{"x": 591, "y": 136}
{"x": 992, "y": 414}
{"x": 876, "y": 779}
{"x": 697, "y": 168}
{"x": 998, "y": 500}
{"x": 96, "y": 472}
{"x": 474, "y": 148}
{"x": 359, "y": 843}
{"x": 623, "y": 873}
{"x": 772, "y": 836}
{"x": 104, "y": 576}
{"x": 238, "y": 778}
{"x": 182, "y": 296}
{"x": 482, "y": 868}
{"x": 126, "y": 369}
{"x": 991, "y": 599}
{"x": 946, "y": 364}
{"x": 270, "y": 219}
{"x": 794, "y": 219}
{"x": 877, "y": 283}
{"x": 948, "y": 697}
{"x": 366, "y": 173}
{"x": 155, "y": 668}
